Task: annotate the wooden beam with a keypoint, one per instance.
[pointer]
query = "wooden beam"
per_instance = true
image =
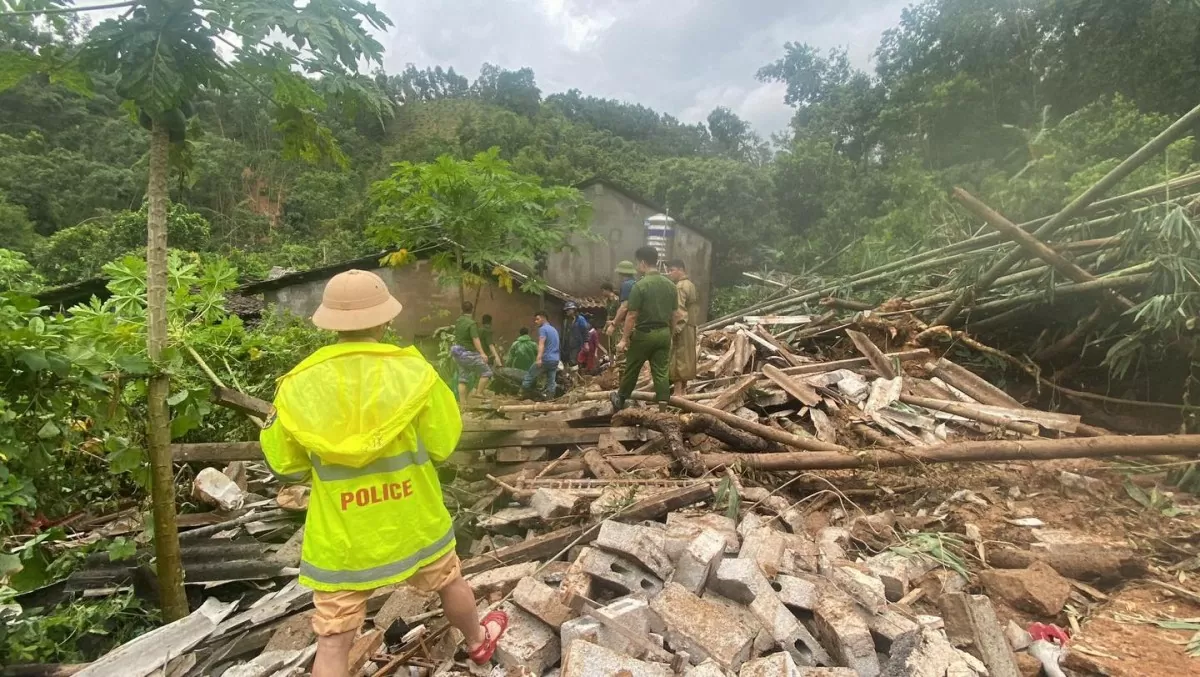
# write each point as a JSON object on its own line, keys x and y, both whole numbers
{"x": 874, "y": 355}
{"x": 797, "y": 389}
{"x": 735, "y": 395}
{"x": 239, "y": 401}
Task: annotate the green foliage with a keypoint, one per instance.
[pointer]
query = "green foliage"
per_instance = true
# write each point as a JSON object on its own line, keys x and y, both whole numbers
{"x": 80, "y": 252}
{"x": 16, "y": 274}
{"x": 80, "y": 632}
{"x": 470, "y": 216}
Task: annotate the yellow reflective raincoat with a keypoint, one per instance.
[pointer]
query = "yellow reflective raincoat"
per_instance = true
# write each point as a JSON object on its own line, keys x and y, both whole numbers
{"x": 365, "y": 421}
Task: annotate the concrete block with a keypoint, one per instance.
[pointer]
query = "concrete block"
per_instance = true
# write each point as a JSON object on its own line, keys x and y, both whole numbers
{"x": 830, "y": 542}
{"x": 844, "y": 633}
{"x": 743, "y": 614}
{"x": 643, "y": 544}
{"x": 699, "y": 560}
{"x": 787, "y": 632}
{"x": 552, "y": 503}
{"x": 801, "y": 554}
{"x": 742, "y": 581}
{"x": 929, "y": 654}
{"x": 765, "y": 546}
{"x": 633, "y": 614}
{"x": 775, "y": 665}
{"x": 618, "y": 574}
{"x": 584, "y": 659}
{"x": 404, "y": 603}
{"x": 899, "y": 572}
{"x": 797, "y": 592}
{"x": 705, "y": 669}
{"x": 683, "y": 529}
{"x": 542, "y": 601}
{"x": 864, "y": 587}
{"x": 827, "y": 672}
{"x": 501, "y": 580}
{"x": 890, "y": 627}
{"x": 738, "y": 579}
{"x": 509, "y": 518}
{"x": 529, "y": 644}
{"x": 613, "y": 499}
{"x": 521, "y": 454}
{"x": 699, "y": 628}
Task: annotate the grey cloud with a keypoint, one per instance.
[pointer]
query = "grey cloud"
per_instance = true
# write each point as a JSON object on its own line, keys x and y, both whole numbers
{"x": 682, "y": 57}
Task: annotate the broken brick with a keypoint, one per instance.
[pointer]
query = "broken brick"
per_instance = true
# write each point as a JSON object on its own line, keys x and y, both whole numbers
{"x": 617, "y": 574}
{"x": 553, "y": 503}
{"x": 775, "y": 665}
{"x": 699, "y": 560}
{"x": 643, "y": 544}
{"x": 699, "y": 628}
{"x": 528, "y": 644}
{"x": 502, "y": 579}
{"x": 584, "y": 659}
{"x": 542, "y": 601}
{"x": 898, "y": 572}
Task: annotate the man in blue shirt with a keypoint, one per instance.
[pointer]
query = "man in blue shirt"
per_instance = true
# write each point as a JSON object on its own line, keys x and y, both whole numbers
{"x": 575, "y": 332}
{"x": 547, "y": 357}
{"x": 626, "y": 272}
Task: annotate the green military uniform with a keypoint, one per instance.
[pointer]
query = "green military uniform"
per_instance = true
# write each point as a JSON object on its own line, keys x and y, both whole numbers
{"x": 485, "y": 339}
{"x": 654, "y": 299}
{"x": 466, "y": 331}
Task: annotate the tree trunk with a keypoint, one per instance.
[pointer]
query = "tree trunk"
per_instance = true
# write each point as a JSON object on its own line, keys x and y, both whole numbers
{"x": 158, "y": 428}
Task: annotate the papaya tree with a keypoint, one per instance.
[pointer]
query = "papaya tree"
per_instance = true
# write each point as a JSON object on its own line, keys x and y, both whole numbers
{"x": 161, "y": 54}
{"x": 474, "y": 218}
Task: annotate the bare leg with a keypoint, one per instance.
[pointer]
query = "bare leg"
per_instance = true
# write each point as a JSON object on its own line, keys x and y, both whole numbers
{"x": 462, "y": 395}
{"x": 680, "y": 388}
{"x": 333, "y": 655}
{"x": 481, "y": 389}
{"x": 458, "y": 603}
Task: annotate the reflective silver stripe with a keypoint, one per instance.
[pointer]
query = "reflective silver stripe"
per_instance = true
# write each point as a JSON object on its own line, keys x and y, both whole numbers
{"x": 332, "y": 472}
{"x": 291, "y": 478}
{"x": 379, "y": 573}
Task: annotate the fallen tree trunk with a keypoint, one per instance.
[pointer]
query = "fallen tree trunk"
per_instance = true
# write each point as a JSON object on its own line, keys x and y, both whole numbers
{"x": 732, "y": 437}
{"x": 671, "y": 428}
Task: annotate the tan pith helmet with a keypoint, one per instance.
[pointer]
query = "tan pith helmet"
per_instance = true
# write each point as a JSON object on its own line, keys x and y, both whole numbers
{"x": 356, "y": 300}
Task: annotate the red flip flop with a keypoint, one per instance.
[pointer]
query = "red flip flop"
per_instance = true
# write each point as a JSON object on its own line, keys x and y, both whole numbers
{"x": 482, "y": 654}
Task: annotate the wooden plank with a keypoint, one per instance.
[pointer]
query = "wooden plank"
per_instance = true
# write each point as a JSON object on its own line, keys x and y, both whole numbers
{"x": 780, "y": 347}
{"x": 797, "y": 389}
{"x": 364, "y": 647}
{"x": 882, "y": 364}
{"x": 503, "y": 425}
{"x": 733, "y": 397}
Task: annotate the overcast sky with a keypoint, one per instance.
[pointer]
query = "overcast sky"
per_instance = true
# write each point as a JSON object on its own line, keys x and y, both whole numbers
{"x": 682, "y": 57}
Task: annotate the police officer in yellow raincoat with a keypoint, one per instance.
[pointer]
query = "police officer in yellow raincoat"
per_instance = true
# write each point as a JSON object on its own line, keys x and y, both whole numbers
{"x": 365, "y": 421}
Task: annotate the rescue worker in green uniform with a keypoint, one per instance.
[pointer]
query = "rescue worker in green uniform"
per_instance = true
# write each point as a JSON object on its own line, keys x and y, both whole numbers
{"x": 646, "y": 337}
{"x": 365, "y": 421}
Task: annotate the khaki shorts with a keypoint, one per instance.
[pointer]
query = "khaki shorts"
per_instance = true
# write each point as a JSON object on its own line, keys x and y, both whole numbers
{"x": 346, "y": 610}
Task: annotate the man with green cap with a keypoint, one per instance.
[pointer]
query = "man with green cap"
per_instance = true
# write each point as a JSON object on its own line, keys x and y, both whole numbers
{"x": 651, "y": 311}
{"x": 625, "y": 271}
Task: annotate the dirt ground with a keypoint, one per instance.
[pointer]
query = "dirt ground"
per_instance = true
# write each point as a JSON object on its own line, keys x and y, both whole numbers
{"x": 1115, "y": 635}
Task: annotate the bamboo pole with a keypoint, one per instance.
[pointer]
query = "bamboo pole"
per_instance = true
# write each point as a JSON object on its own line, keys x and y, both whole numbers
{"x": 1096, "y": 284}
{"x": 1078, "y": 206}
{"x": 1033, "y": 245}
{"x": 920, "y": 262}
{"x": 972, "y": 412}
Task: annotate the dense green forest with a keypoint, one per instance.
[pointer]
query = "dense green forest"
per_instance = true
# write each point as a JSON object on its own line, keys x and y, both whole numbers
{"x": 1021, "y": 102}
{"x": 1024, "y": 103}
